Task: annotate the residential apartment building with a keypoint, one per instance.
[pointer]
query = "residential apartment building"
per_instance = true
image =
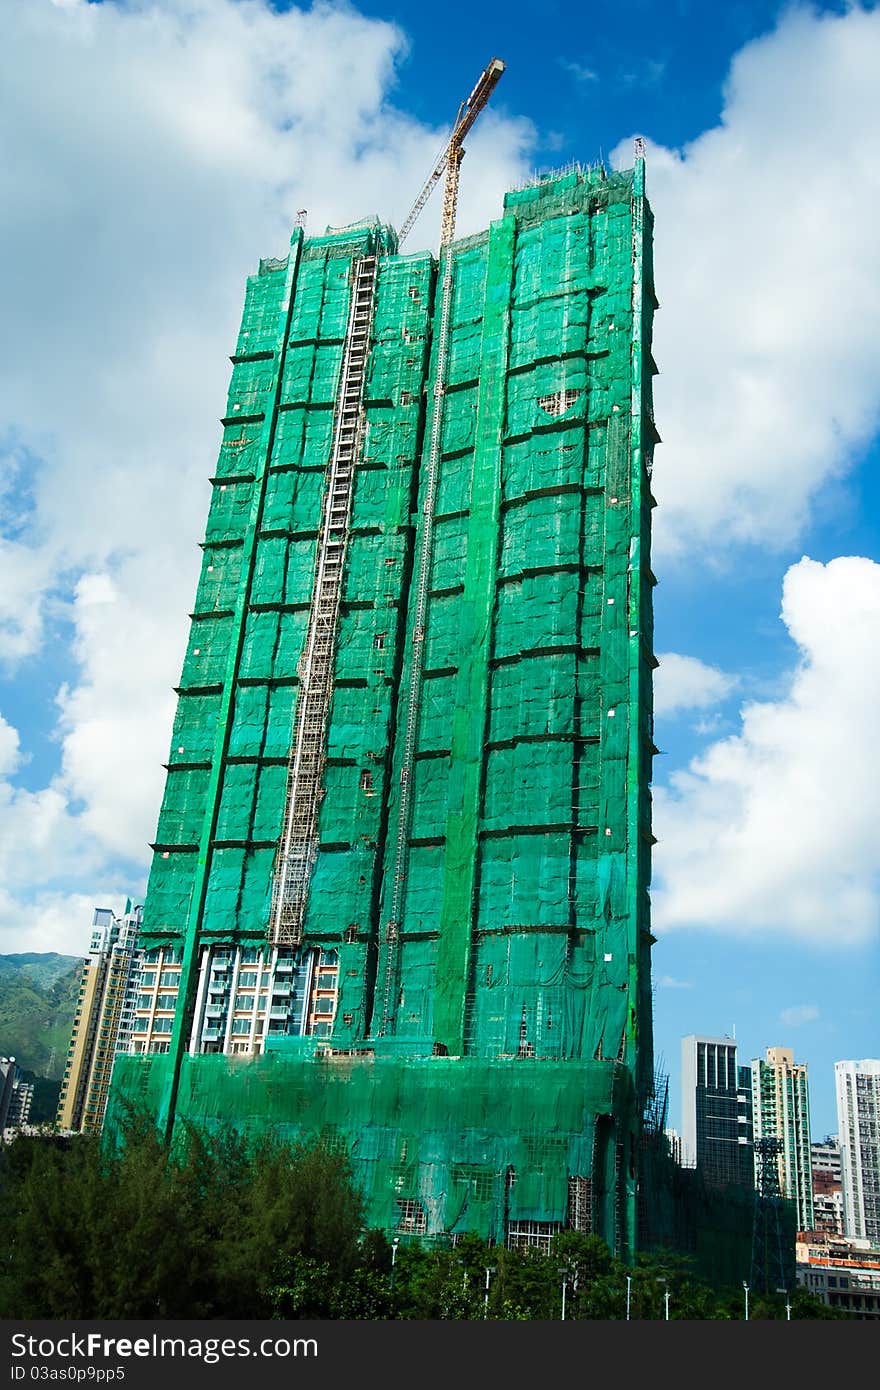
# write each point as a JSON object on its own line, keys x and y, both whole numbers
{"x": 857, "y": 1085}
{"x": 104, "y": 1018}
{"x": 400, "y": 875}
{"x": 827, "y": 1186}
{"x": 781, "y": 1110}
{"x": 16, "y": 1096}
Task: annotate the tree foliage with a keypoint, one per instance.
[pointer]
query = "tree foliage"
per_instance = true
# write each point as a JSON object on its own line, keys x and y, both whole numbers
{"x": 214, "y": 1226}
{"x": 205, "y": 1228}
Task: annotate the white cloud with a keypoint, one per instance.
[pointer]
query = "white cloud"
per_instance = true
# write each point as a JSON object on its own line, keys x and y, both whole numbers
{"x": 774, "y": 830}
{"x": 116, "y": 723}
{"x": 768, "y": 270}
{"x": 161, "y": 148}
{"x": 24, "y": 578}
{"x": 55, "y": 921}
{"x": 684, "y": 682}
{"x": 10, "y": 753}
{"x": 798, "y": 1014}
{"x": 670, "y": 982}
{"x": 581, "y": 72}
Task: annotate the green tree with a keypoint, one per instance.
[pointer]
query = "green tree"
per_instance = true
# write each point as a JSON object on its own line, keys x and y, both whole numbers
{"x": 210, "y": 1226}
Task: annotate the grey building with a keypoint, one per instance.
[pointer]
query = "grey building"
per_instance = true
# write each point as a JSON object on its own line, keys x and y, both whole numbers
{"x": 16, "y": 1095}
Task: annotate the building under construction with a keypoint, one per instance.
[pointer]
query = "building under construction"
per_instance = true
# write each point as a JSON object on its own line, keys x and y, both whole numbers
{"x": 400, "y": 882}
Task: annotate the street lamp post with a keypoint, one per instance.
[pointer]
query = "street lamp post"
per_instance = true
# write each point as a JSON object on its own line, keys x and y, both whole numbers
{"x": 564, "y": 1286}
{"x": 490, "y": 1269}
{"x": 665, "y": 1283}
{"x": 394, "y": 1244}
{"x": 746, "y": 1290}
{"x": 628, "y": 1295}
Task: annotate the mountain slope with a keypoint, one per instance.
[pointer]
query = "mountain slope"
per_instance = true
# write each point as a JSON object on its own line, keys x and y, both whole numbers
{"x": 37, "y": 1003}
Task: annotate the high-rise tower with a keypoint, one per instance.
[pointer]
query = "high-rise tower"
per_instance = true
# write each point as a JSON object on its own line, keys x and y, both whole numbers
{"x": 781, "y": 1110}
{"x": 857, "y": 1086}
{"x": 400, "y": 884}
{"x": 716, "y": 1112}
{"x": 103, "y": 1019}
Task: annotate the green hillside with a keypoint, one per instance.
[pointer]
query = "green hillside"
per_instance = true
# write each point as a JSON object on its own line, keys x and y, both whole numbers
{"x": 37, "y": 1002}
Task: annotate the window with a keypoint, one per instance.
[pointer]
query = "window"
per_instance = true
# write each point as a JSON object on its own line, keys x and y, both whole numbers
{"x": 166, "y": 1001}
{"x": 163, "y": 1025}
{"x": 244, "y": 1001}
{"x": 247, "y": 979}
{"x": 411, "y": 1216}
{"x": 169, "y": 977}
{"x": 379, "y": 641}
{"x": 539, "y": 1234}
{"x": 148, "y": 979}
{"x": 580, "y": 1204}
{"x": 366, "y": 780}
{"x": 241, "y": 1025}
{"x": 558, "y": 403}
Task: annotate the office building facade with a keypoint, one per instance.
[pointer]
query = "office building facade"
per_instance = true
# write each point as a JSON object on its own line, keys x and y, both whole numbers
{"x": 716, "y": 1119}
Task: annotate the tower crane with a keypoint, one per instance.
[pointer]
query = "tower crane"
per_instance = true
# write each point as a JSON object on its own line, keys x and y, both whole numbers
{"x": 452, "y": 155}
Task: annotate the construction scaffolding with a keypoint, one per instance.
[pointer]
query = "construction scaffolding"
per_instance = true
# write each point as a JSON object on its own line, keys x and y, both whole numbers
{"x": 299, "y": 844}
{"x": 403, "y": 856}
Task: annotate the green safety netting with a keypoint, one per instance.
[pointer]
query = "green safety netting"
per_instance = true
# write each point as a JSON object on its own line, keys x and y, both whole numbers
{"x": 473, "y": 1144}
{"x": 523, "y": 922}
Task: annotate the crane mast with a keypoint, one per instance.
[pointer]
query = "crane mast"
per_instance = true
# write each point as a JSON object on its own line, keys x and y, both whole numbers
{"x": 410, "y": 695}
{"x": 452, "y": 155}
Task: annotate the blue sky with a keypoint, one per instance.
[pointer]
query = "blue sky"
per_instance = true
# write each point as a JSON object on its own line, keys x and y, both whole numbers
{"x": 170, "y": 150}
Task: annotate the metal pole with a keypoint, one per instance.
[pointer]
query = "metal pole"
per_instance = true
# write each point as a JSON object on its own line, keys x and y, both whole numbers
{"x": 746, "y": 1288}
{"x": 394, "y": 1244}
{"x": 486, "y": 1294}
{"x": 628, "y": 1292}
{"x": 563, "y": 1299}
{"x": 787, "y": 1310}
{"x": 666, "y": 1301}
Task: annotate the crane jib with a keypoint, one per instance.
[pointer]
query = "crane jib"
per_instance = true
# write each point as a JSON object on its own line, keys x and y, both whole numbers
{"x": 467, "y": 115}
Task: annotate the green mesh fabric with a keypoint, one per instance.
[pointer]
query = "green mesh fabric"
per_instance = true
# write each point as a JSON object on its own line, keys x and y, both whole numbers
{"x": 521, "y": 951}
